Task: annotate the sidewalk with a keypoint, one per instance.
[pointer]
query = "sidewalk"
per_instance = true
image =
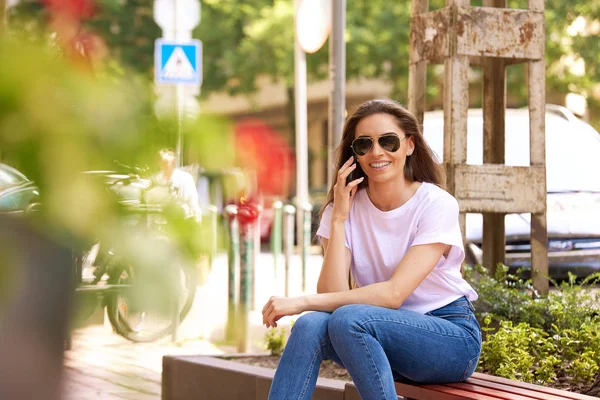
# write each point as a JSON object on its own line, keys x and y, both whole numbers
{"x": 103, "y": 365}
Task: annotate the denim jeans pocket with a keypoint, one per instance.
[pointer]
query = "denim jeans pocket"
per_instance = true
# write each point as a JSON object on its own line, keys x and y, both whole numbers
{"x": 452, "y": 311}
{"x": 452, "y": 314}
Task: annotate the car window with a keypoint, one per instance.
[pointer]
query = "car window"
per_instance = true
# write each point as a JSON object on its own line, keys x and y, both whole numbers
{"x": 572, "y": 152}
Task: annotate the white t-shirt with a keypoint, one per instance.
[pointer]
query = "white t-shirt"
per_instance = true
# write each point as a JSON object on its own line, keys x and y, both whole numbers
{"x": 378, "y": 240}
{"x": 183, "y": 184}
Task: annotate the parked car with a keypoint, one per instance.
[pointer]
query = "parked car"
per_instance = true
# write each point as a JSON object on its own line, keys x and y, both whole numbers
{"x": 17, "y": 193}
{"x": 573, "y": 185}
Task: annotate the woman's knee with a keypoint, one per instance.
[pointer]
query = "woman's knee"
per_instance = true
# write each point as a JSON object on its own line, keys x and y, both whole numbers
{"x": 346, "y": 319}
{"x": 311, "y": 325}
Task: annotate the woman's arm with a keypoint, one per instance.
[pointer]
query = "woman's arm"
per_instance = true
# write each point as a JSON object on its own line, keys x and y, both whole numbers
{"x": 336, "y": 261}
{"x": 418, "y": 262}
{"x": 337, "y": 257}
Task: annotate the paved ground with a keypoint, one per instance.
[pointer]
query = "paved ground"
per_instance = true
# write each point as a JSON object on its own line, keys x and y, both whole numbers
{"x": 102, "y": 365}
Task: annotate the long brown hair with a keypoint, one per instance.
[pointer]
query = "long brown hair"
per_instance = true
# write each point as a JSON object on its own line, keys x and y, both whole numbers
{"x": 421, "y": 166}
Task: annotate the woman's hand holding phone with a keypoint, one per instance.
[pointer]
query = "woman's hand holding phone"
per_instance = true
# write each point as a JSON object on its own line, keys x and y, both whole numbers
{"x": 344, "y": 189}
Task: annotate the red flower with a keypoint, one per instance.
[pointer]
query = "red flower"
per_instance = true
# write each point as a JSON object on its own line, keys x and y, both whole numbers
{"x": 248, "y": 212}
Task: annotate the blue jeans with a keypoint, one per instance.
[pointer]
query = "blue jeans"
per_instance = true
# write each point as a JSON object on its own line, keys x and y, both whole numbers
{"x": 379, "y": 345}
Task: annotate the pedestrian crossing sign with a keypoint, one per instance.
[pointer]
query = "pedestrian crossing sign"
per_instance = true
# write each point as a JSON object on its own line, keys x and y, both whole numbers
{"x": 178, "y": 62}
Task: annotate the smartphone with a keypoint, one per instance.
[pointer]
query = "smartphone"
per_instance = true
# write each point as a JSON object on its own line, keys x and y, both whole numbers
{"x": 350, "y": 177}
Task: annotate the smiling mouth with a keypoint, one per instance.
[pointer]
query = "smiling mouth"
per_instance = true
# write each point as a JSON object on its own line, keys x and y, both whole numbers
{"x": 379, "y": 165}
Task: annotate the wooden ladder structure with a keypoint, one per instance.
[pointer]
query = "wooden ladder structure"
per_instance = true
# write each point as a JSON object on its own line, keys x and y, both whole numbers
{"x": 493, "y": 37}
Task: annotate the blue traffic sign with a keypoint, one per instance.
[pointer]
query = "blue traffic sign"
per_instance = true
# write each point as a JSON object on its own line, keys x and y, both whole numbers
{"x": 176, "y": 62}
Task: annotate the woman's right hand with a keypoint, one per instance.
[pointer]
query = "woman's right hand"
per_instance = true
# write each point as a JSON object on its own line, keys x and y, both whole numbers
{"x": 344, "y": 194}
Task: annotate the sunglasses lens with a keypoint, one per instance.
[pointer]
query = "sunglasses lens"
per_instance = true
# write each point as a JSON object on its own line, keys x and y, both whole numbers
{"x": 389, "y": 143}
{"x": 361, "y": 146}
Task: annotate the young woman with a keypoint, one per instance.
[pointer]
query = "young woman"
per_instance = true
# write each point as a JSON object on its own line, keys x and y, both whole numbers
{"x": 405, "y": 314}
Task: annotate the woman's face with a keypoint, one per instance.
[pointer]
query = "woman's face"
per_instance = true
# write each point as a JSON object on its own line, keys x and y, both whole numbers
{"x": 378, "y": 164}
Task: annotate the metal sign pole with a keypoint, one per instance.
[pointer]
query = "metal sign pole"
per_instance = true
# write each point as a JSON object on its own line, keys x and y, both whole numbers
{"x": 246, "y": 267}
{"x": 177, "y": 63}
{"x": 276, "y": 232}
{"x": 337, "y": 74}
{"x": 176, "y": 319}
{"x": 179, "y": 99}
{"x": 233, "y": 261}
{"x": 174, "y": 66}
{"x": 179, "y": 94}
{"x": 288, "y": 243}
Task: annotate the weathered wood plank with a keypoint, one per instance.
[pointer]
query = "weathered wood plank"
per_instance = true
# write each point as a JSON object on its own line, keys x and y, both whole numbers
{"x": 477, "y": 61}
{"x": 417, "y": 69}
{"x": 537, "y": 137}
{"x": 456, "y": 104}
{"x": 505, "y": 33}
{"x": 512, "y": 34}
{"x": 464, "y": 3}
{"x": 539, "y": 252}
{"x": 500, "y": 188}
{"x": 417, "y": 80}
{"x": 462, "y": 222}
{"x": 493, "y": 241}
{"x": 494, "y": 105}
{"x": 429, "y": 36}
{"x": 537, "y": 112}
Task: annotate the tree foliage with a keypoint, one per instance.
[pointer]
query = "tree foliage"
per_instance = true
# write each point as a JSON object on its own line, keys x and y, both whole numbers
{"x": 246, "y": 41}
{"x": 573, "y": 35}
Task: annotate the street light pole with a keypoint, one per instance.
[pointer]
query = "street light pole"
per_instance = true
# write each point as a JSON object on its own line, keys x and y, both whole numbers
{"x": 300, "y": 100}
{"x": 337, "y": 74}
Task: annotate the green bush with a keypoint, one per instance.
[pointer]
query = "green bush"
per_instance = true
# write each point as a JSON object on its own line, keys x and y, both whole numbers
{"x": 531, "y": 355}
{"x": 509, "y": 297}
{"x": 538, "y": 339}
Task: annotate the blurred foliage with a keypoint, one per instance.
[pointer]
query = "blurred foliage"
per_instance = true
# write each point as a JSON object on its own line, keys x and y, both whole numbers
{"x": 57, "y": 121}
{"x": 245, "y": 41}
{"x": 275, "y": 340}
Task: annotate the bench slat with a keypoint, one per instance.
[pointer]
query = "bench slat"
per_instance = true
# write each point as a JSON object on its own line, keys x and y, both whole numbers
{"x": 563, "y": 394}
{"x": 502, "y": 392}
{"x": 515, "y": 389}
{"x": 441, "y": 392}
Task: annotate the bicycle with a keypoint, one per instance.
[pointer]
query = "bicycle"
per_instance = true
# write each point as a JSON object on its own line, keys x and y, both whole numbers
{"x": 101, "y": 271}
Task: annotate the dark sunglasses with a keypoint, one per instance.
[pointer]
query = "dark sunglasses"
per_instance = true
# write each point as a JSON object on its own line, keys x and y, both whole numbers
{"x": 389, "y": 142}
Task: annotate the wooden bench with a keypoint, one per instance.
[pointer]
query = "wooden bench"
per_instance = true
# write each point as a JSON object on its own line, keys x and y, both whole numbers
{"x": 207, "y": 377}
{"x": 479, "y": 387}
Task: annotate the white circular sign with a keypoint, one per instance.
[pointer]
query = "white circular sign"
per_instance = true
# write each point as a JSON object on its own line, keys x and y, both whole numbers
{"x": 186, "y": 19}
{"x": 313, "y": 24}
